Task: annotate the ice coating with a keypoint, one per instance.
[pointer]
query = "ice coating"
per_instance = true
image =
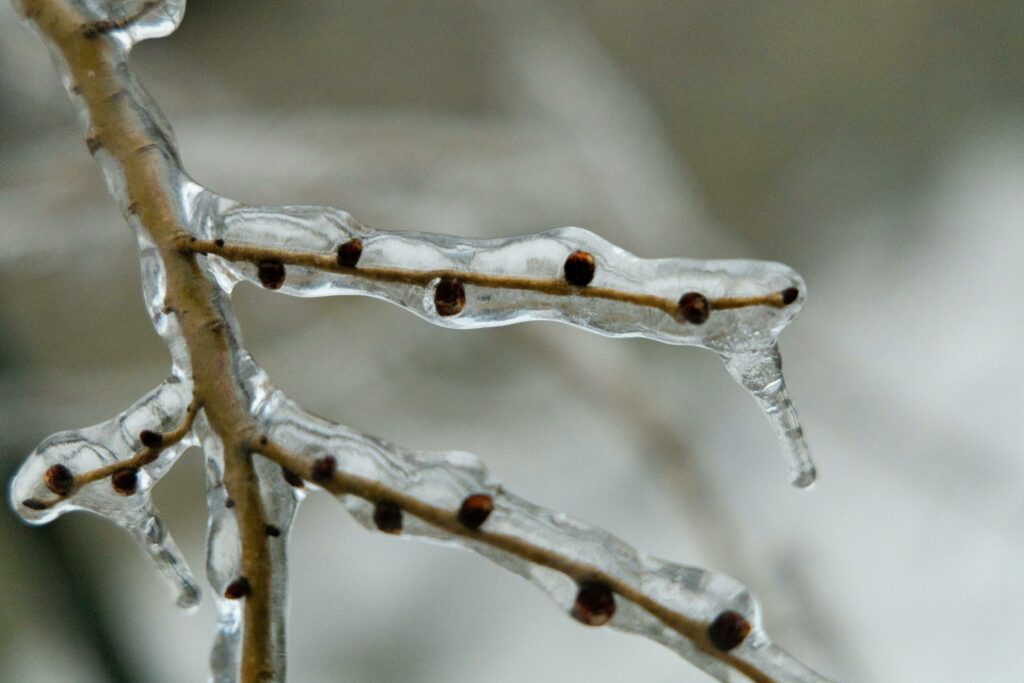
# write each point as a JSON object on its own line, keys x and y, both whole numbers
{"x": 506, "y": 281}
{"x": 442, "y": 480}
{"x": 101, "y": 445}
{"x": 126, "y": 21}
{"x": 305, "y": 239}
{"x": 223, "y": 553}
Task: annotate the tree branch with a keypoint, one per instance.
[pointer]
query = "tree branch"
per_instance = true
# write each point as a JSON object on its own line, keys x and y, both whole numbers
{"x": 195, "y": 245}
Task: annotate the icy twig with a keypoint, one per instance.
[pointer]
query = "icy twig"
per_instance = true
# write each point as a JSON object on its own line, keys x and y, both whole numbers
{"x": 711, "y": 619}
{"x": 553, "y": 286}
{"x": 194, "y": 246}
{"x": 63, "y": 482}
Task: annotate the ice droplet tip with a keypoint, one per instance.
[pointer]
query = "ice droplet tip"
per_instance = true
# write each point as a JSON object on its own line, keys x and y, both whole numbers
{"x": 804, "y": 478}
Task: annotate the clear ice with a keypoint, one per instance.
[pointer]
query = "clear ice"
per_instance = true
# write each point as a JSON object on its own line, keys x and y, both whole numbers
{"x": 745, "y": 338}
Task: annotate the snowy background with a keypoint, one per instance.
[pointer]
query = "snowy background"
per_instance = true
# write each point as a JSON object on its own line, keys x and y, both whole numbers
{"x": 878, "y": 149}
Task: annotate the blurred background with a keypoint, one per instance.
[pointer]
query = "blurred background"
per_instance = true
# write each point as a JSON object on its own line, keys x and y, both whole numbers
{"x": 876, "y": 147}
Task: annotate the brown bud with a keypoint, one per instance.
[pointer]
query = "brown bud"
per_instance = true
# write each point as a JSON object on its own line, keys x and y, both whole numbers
{"x": 693, "y": 308}
{"x": 151, "y": 439}
{"x": 238, "y": 589}
{"x": 271, "y": 273}
{"x": 125, "y": 481}
{"x": 579, "y": 268}
{"x": 323, "y": 469}
{"x": 595, "y": 604}
{"x": 349, "y": 253}
{"x": 219, "y": 242}
{"x": 449, "y": 296}
{"x": 789, "y": 295}
{"x": 475, "y": 510}
{"x": 292, "y": 478}
{"x": 728, "y": 630}
{"x": 34, "y": 504}
{"x": 92, "y": 144}
{"x": 229, "y": 503}
{"x": 59, "y": 479}
{"x": 388, "y": 517}
{"x": 272, "y": 530}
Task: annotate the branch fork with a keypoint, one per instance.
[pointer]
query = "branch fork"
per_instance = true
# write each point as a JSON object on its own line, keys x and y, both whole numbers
{"x": 261, "y": 449}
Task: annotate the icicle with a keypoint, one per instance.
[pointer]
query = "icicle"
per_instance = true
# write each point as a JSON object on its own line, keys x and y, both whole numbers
{"x": 146, "y": 526}
{"x": 760, "y": 372}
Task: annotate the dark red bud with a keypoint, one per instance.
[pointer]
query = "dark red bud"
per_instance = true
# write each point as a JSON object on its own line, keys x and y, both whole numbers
{"x": 728, "y": 630}
{"x": 271, "y": 273}
{"x": 595, "y": 604}
{"x": 449, "y": 296}
{"x": 238, "y": 589}
{"x": 693, "y": 308}
{"x": 59, "y": 479}
{"x": 349, "y": 253}
{"x": 125, "y": 481}
{"x": 579, "y": 268}
{"x": 151, "y": 439}
{"x": 475, "y": 510}
{"x": 323, "y": 469}
{"x": 388, "y": 517}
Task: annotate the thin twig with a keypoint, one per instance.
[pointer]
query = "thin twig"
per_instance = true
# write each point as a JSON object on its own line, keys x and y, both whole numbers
{"x": 552, "y": 286}
{"x": 141, "y": 458}
{"x": 341, "y": 482}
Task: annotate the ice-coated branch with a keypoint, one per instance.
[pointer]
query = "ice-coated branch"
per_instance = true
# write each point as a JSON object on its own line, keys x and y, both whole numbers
{"x": 110, "y": 468}
{"x": 259, "y": 446}
{"x": 710, "y": 619}
{"x": 736, "y": 308}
